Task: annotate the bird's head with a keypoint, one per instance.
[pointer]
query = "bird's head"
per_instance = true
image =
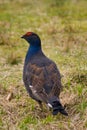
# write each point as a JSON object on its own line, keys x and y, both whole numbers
{"x": 32, "y": 38}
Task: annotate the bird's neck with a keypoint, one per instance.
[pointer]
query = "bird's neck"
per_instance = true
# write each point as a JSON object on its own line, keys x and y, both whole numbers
{"x": 32, "y": 50}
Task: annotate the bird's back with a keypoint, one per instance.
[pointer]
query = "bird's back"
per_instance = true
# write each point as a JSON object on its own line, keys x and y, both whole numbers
{"x": 42, "y": 73}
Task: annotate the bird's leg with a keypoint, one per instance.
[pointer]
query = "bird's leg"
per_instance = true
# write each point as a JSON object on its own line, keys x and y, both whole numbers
{"x": 41, "y": 106}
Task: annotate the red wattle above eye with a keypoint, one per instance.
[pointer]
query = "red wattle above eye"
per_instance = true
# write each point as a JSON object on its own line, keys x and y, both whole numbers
{"x": 28, "y": 33}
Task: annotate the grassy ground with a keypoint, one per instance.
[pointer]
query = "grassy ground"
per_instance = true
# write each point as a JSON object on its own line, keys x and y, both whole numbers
{"x": 62, "y": 27}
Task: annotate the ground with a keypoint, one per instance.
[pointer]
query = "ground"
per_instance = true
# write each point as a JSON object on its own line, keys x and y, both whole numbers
{"x": 62, "y": 26}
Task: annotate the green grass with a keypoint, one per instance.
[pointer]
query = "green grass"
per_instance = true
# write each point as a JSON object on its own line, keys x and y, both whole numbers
{"x": 62, "y": 26}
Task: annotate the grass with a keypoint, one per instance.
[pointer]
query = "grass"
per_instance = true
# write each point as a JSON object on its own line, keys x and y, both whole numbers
{"x": 62, "y": 26}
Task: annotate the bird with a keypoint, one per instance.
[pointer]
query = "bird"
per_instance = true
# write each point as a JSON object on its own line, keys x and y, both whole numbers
{"x": 41, "y": 76}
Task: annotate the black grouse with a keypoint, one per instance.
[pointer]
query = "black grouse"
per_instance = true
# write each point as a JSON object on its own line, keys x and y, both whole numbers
{"x": 41, "y": 76}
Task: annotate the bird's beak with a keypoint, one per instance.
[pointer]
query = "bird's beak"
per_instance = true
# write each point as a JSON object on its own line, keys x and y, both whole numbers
{"x": 22, "y": 36}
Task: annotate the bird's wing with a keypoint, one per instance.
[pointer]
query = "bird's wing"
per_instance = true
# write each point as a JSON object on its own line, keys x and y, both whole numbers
{"x": 43, "y": 81}
{"x": 35, "y": 80}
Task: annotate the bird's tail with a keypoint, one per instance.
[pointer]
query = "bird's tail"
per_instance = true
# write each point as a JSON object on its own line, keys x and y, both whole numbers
{"x": 55, "y": 104}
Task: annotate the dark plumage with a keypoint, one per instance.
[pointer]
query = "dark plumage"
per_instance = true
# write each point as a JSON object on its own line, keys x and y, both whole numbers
{"x": 41, "y": 77}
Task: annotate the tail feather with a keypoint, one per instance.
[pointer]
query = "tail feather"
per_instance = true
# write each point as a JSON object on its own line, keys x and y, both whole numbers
{"x": 57, "y": 106}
